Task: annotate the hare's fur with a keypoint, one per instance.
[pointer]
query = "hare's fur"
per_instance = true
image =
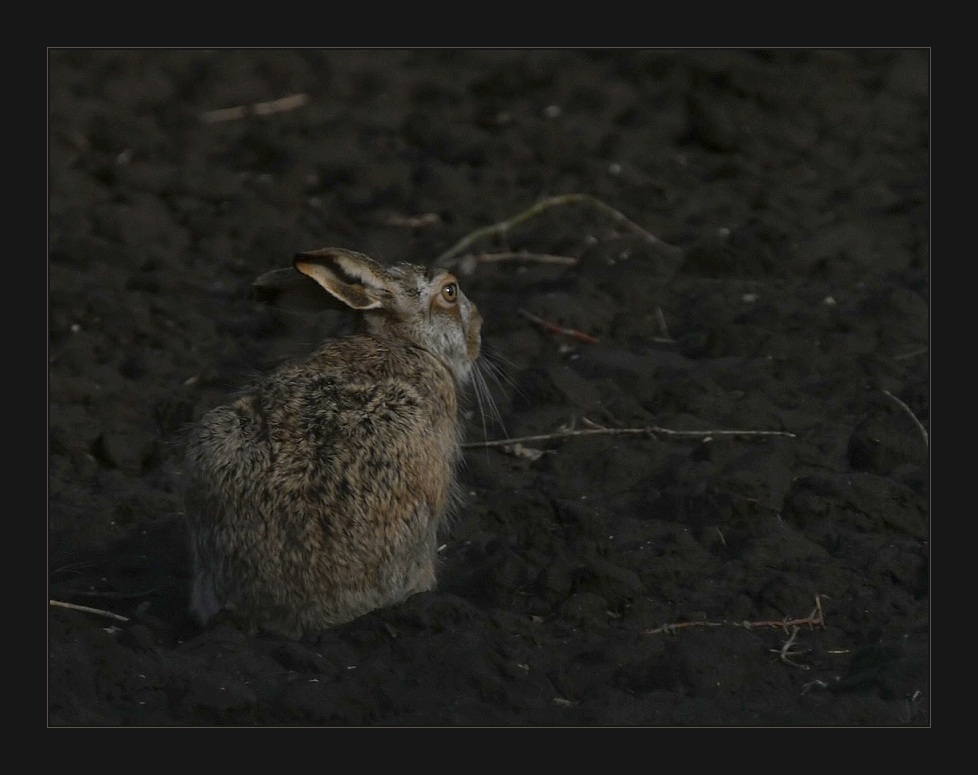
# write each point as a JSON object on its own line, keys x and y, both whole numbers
{"x": 317, "y": 495}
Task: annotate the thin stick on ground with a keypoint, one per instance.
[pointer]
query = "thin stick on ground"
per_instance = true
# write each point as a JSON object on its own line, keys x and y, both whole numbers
{"x": 397, "y": 220}
{"x": 280, "y": 105}
{"x": 651, "y": 430}
{"x": 448, "y": 258}
{"x": 469, "y": 261}
{"x": 815, "y": 619}
{"x": 908, "y": 410}
{"x": 89, "y": 610}
{"x": 556, "y": 329}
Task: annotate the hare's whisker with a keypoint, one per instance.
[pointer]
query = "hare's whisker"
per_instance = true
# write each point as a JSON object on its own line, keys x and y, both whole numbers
{"x": 499, "y": 367}
{"x": 484, "y": 400}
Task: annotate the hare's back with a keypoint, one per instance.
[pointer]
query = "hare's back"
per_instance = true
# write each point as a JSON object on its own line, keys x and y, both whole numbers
{"x": 355, "y": 406}
{"x": 361, "y": 386}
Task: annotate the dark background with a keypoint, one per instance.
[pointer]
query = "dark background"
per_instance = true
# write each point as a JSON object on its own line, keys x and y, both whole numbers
{"x": 795, "y": 184}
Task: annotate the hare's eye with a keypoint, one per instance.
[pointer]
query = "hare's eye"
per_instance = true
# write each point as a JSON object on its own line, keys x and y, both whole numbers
{"x": 450, "y": 292}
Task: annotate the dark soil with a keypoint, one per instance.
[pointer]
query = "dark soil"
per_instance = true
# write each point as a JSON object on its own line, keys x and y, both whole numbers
{"x": 796, "y": 185}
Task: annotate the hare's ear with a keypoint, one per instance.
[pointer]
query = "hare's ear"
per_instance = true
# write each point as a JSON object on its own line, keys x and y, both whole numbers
{"x": 357, "y": 281}
{"x": 287, "y": 290}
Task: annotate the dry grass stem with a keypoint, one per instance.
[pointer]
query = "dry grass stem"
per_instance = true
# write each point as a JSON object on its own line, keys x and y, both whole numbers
{"x": 908, "y": 410}
{"x": 88, "y": 610}
{"x": 911, "y": 354}
{"x": 661, "y": 319}
{"x": 280, "y": 105}
{"x": 816, "y": 684}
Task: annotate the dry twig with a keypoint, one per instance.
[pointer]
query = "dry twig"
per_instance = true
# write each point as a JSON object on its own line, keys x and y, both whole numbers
{"x": 280, "y": 105}
{"x": 556, "y": 329}
{"x": 786, "y": 653}
{"x": 598, "y": 430}
{"x": 515, "y": 255}
{"x": 397, "y": 220}
{"x": 448, "y": 258}
{"x": 815, "y": 619}
{"x": 524, "y": 255}
{"x": 88, "y": 610}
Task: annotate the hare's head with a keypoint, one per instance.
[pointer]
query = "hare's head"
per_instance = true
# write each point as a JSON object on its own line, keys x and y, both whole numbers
{"x": 427, "y": 308}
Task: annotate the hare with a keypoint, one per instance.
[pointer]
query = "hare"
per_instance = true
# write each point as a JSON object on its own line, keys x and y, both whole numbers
{"x": 317, "y": 495}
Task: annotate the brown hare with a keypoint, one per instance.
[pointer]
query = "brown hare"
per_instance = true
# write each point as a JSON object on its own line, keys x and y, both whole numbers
{"x": 317, "y": 495}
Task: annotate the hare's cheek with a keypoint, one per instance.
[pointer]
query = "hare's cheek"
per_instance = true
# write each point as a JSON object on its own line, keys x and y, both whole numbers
{"x": 473, "y": 346}
{"x": 473, "y": 339}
